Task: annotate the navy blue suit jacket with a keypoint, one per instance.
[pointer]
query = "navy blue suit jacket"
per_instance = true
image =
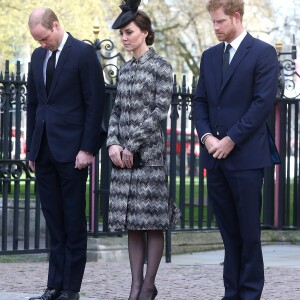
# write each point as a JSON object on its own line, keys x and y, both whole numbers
{"x": 238, "y": 106}
{"x": 72, "y": 112}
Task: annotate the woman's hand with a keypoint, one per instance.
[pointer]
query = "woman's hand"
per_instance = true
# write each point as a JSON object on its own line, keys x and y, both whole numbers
{"x": 127, "y": 158}
{"x": 115, "y": 154}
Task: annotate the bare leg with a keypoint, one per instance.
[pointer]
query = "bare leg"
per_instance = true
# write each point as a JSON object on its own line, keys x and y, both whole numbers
{"x": 155, "y": 247}
{"x": 136, "y": 250}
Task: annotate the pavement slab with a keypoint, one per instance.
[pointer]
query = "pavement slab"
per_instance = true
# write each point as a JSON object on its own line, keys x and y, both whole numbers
{"x": 189, "y": 276}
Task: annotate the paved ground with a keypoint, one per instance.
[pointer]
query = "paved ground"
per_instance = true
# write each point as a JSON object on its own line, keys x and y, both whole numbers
{"x": 190, "y": 276}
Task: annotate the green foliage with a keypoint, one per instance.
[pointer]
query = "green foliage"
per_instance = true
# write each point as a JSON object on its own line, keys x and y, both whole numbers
{"x": 75, "y": 16}
{"x": 183, "y": 29}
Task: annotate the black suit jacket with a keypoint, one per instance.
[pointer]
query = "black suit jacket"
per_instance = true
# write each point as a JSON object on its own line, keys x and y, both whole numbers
{"x": 72, "y": 112}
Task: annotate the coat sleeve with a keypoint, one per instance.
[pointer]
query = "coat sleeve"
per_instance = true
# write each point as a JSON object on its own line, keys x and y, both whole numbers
{"x": 93, "y": 92}
{"x": 114, "y": 120}
{"x": 31, "y": 106}
{"x": 163, "y": 96}
{"x": 200, "y": 104}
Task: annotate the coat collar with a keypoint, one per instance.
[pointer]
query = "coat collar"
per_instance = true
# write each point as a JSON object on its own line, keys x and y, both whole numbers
{"x": 145, "y": 57}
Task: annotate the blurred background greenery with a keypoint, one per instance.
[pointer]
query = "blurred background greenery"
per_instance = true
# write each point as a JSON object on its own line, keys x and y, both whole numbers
{"x": 183, "y": 28}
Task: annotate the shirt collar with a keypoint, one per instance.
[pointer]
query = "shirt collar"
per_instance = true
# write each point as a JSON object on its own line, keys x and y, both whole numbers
{"x": 237, "y": 41}
{"x": 65, "y": 37}
{"x": 60, "y": 47}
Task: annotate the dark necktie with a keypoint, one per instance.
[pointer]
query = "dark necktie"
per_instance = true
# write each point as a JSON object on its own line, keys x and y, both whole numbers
{"x": 226, "y": 57}
{"x": 50, "y": 70}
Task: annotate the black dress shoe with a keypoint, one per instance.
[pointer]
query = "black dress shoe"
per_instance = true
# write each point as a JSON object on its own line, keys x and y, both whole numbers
{"x": 68, "y": 295}
{"x": 49, "y": 294}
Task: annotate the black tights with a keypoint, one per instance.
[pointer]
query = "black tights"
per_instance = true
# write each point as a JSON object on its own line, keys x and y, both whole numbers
{"x": 140, "y": 242}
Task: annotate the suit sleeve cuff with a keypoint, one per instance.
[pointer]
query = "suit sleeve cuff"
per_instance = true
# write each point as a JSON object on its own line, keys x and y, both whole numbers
{"x": 204, "y": 137}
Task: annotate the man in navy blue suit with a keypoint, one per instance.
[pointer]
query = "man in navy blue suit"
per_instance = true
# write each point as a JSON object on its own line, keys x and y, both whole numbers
{"x": 235, "y": 94}
{"x": 64, "y": 113}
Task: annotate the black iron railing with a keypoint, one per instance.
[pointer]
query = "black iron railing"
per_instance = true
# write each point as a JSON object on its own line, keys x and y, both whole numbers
{"x": 22, "y": 225}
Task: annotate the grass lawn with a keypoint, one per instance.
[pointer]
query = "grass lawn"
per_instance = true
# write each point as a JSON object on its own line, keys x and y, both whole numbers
{"x": 193, "y": 212}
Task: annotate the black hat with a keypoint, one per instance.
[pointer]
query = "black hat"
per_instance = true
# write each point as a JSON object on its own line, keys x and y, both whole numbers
{"x": 129, "y": 10}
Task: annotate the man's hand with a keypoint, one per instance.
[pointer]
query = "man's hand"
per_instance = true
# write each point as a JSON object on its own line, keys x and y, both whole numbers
{"x": 210, "y": 143}
{"x": 83, "y": 160}
{"x": 222, "y": 148}
{"x": 32, "y": 166}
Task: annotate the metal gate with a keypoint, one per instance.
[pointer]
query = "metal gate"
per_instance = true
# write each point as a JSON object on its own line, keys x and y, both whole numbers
{"x": 22, "y": 225}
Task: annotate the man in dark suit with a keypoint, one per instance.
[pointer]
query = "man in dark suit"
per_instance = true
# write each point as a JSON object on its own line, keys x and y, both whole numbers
{"x": 235, "y": 94}
{"x": 64, "y": 115}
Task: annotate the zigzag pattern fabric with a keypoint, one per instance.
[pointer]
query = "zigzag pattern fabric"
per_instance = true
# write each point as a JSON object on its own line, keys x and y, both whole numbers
{"x": 139, "y": 198}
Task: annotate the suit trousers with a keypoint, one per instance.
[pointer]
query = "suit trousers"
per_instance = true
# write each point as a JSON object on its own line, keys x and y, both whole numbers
{"x": 61, "y": 189}
{"x": 236, "y": 199}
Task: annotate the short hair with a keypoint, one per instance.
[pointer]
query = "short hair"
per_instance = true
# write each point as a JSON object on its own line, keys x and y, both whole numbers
{"x": 142, "y": 21}
{"x": 43, "y": 16}
{"x": 230, "y": 7}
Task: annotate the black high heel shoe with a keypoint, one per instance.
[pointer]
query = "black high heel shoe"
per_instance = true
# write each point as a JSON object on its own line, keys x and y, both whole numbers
{"x": 155, "y": 292}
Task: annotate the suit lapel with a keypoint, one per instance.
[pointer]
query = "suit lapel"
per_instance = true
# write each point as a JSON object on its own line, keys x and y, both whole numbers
{"x": 239, "y": 55}
{"x": 60, "y": 63}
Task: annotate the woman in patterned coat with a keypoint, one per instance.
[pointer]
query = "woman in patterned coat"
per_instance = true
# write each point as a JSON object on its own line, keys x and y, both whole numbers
{"x": 139, "y": 199}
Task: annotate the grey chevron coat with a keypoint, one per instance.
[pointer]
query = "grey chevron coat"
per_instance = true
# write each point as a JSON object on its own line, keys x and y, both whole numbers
{"x": 139, "y": 197}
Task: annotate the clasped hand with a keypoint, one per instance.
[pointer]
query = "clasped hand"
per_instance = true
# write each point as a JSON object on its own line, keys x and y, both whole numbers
{"x": 219, "y": 148}
{"x": 120, "y": 157}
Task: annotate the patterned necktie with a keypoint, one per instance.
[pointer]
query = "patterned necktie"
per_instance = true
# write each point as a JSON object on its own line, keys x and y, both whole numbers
{"x": 226, "y": 57}
{"x": 50, "y": 70}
